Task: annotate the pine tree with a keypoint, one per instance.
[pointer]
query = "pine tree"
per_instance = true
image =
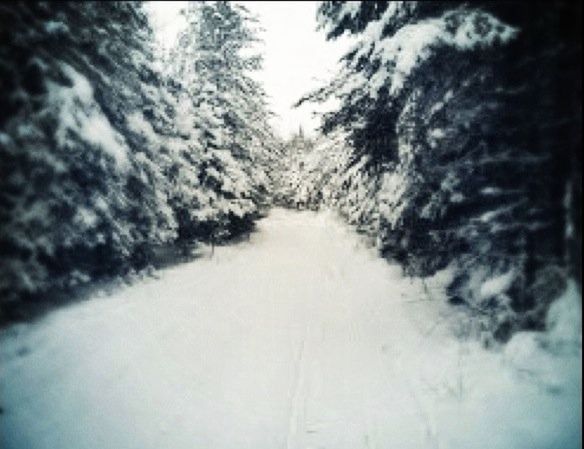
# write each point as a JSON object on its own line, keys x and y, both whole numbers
{"x": 229, "y": 113}
{"x": 436, "y": 99}
{"x": 83, "y": 194}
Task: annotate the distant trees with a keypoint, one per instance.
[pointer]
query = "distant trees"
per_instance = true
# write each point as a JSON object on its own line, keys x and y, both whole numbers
{"x": 292, "y": 167}
{"x": 103, "y": 158}
{"x": 464, "y": 134}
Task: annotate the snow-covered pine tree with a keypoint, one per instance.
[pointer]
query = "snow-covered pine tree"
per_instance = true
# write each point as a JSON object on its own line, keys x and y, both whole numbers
{"x": 214, "y": 58}
{"x": 456, "y": 163}
{"x": 82, "y": 193}
{"x": 292, "y": 185}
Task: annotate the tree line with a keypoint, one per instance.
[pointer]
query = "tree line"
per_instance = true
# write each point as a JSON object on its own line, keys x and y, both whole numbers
{"x": 456, "y": 143}
{"x": 105, "y": 157}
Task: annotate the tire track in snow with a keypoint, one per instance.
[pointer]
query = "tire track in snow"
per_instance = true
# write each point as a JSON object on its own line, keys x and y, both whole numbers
{"x": 421, "y": 409}
{"x": 298, "y": 399}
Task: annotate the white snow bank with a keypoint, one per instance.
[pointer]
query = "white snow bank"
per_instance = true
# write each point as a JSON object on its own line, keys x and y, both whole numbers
{"x": 564, "y": 319}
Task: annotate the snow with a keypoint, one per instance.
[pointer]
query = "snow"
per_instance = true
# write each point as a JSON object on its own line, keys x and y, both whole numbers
{"x": 437, "y": 133}
{"x": 86, "y": 217}
{"x": 414, "y": 43}
{"x": 482, "y": 29}
{"x": 140, "y": 125}
{"x": 497, "y": 285}
{"x": 5, "y": 139}
{"x": 391, "y": 203}
{"x": 80, "y": 115}
{"x": 300, "y": 338}
{"x": 56, "y": 27}
{"x": 349, "y": 9}
{"x": 564, "y": 319}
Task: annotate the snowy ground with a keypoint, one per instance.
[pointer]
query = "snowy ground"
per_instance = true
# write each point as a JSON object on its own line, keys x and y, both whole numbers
{"x": 301, "y": 338}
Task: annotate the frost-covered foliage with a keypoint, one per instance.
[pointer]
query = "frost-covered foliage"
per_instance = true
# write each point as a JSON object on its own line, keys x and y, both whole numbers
{"x": 213, "y": 60}
{"x": 464, "y": 134}
{"x": 102, "y": 158}
{"x": 293, "y": 188}
{"x": 78, "y": 195}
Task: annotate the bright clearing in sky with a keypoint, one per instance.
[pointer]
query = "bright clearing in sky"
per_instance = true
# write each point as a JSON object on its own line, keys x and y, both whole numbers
{"x": 297, "y": 57}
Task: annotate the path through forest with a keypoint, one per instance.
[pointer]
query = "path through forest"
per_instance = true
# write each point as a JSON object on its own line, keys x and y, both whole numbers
{"x": 300, "y": 338}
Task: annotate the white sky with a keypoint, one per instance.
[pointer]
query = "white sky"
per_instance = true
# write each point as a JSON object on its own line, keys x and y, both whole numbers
{"x": 296, "y": 55}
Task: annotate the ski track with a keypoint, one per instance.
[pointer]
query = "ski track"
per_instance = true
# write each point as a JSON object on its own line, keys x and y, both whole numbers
{"x": 301, "y": 338}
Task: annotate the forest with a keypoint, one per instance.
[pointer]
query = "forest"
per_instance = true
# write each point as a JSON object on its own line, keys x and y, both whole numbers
{"x": 105, "y": 159}
{"x": 452, "y": 151}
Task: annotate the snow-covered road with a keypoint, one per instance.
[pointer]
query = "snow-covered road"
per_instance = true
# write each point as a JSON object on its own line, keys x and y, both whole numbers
{"x": 300, "y": 338}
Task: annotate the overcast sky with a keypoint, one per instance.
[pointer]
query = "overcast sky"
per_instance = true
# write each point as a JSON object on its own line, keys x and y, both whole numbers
{"x": 296, "y": 55}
